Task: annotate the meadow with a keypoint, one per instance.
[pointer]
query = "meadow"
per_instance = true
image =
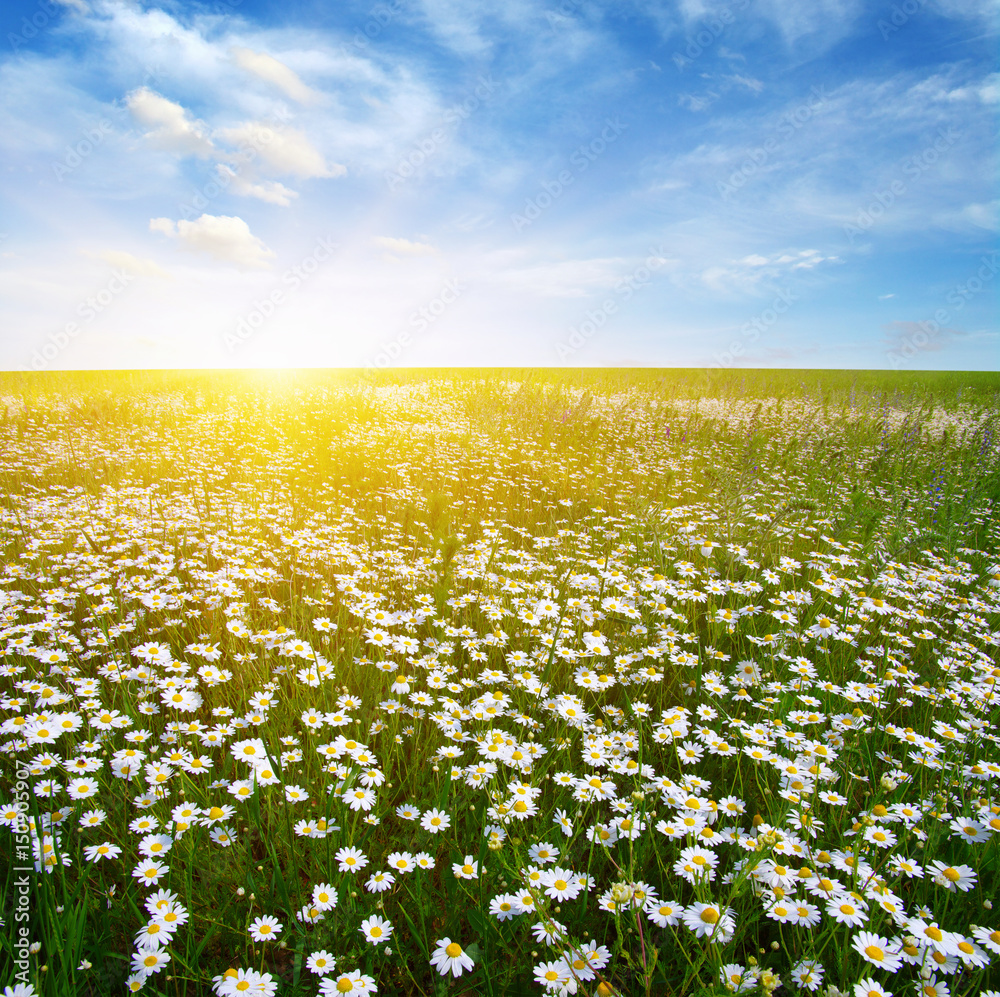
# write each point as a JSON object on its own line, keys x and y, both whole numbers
{"x": 500, "y": 682}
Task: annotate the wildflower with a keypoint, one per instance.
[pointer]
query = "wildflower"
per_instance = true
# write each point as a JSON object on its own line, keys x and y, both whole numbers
{"x": 846, "y": 911}
{"x": 711, "y": 921}
{"x": 264, "y": 929}
{"x": 321, "y": 963}
{"x": 549, "y": 930}
{"x": 807, "y": 975}
{"x": 504, "y": 907}
{"x": 351, "y": 860}
{"x": 736, "y": 978}
{"x": 215, "y": 814}
{"x": 150, "y": 873}
{"x": 554, "y": 976}
{"x": 379, "y": 882}
{"x": 324, "y": 896}
{"x": 869, "y": 988}
{"x": 542, "y": 851}
{"x": 468, "y": 869}
{"x": 449, "y": 957}
{"x": 149, "y": 959}
{"x": 559, "y": 884}
{"x": 876, "y": 950}
{"x": 958, "y": 877}
{"x": 990, "y": 937}
{"x": 400, "y": 862}
{"x": 376, "y": 930}
{"x": 435, "y": 821}
{"x": 347, "y": 983}
{"x": 153, "y": 934}
{"x": 663, "y": 912}
{"x": 105, "y": 850}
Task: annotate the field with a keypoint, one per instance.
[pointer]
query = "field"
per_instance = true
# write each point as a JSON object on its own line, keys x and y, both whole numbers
{"x": 500, "y": 682}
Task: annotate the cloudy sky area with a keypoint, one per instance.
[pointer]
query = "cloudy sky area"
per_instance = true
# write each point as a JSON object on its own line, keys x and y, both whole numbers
{"x": 792, "y": 183}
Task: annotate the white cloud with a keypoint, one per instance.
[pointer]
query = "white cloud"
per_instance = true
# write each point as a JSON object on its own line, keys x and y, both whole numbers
{"x": 284, "y": 151}
{"x": 404, "y": 247}
{"x": 271, "y": 70}
{"x": 133, "y": 264}
{"x": 985, "y": 216}
{"x": 170, "y": 126}
{"x": 269, "y": 191}
{"x": 224, "y": 237}
{"x": 751, "y": 272}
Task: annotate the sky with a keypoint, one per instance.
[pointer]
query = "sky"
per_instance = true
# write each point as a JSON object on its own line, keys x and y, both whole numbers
{"x": 750, "y": 183}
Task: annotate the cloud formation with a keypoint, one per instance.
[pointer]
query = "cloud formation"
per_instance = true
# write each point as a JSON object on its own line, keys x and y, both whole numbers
{"x": 170, "y": 126}
{"x": 271, "y": 70}
{"x": 223, "y": 237}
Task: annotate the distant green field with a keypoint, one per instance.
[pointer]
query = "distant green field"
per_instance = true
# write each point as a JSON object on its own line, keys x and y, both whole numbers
{"x": 500, "y": 682}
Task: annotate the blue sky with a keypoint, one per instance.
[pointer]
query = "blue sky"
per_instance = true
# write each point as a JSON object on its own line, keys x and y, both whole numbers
{"x": 786, "y": 183}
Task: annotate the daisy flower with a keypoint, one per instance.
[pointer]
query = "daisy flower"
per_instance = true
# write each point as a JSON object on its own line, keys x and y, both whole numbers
{"x": 376, "y": 930}
{"x": 877, "y": 950}
{"x": 435, "y": 821}
{"x": 154, "y": 935}
{"x": 560, "y": 884}
{"x": 553, "y": 975}
{"x": 990, "y": 937}
{"x": 450, "y": 957}
{"x": 711, "y": 921}
{"x": 736, "y": 979}
{"x": 264, "y": 929}
{"x": 504, "y": 907}
{"x": 105, "y": 850}
{"x": 663, "y": 912}
{"x": 468, "y": 869}
{"x": 379, "y": 882}
{"x": 150, "y": 873}
{"x": 953, "y": 877}
{"x": 845, "y": 911}
{"x": 149, "y": 959}
{"x": 400, "y": 862}
{"x": 807, "y": 975}
{"x": 869, "y": 988}
{"x": 324, "y": 896}
{"x": 351, "y": 860}
{"x": 321, "y": 963}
